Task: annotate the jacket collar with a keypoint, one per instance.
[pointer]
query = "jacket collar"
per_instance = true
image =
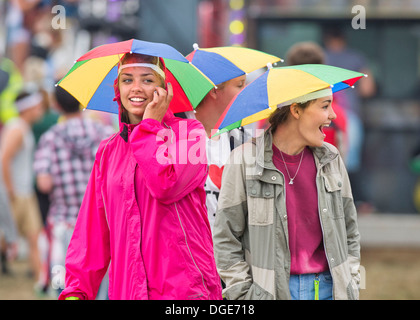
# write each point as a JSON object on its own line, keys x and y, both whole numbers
{"x": 125, "y": 130}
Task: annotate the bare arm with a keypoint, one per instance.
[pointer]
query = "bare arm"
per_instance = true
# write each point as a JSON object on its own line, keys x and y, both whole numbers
{"x": 44, "y": 182}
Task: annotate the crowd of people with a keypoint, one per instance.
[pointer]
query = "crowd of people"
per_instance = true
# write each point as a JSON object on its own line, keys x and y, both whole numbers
{"x": 47, "y": 143}
{"x": 95, "y": 195}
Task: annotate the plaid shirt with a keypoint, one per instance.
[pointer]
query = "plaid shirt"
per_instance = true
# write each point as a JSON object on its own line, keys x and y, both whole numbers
{"x": 67, "y": 152}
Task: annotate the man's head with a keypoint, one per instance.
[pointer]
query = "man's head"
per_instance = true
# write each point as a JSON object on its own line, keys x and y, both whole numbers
{"x": 66, "y": 102}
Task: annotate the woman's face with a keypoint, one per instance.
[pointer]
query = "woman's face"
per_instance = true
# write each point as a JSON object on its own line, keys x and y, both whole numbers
{"x": 314, "y": 118}
{"x": 137, "y": 86}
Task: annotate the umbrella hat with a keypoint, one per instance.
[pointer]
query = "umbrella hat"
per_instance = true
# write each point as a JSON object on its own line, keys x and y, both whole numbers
{"x": 279, "y": 85}
{"x": 91, "y": 79}
{"x": 221, "y": 64}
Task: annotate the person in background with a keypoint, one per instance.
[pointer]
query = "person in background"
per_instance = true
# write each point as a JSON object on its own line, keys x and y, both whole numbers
{"x": 219, "y": 147}
{"x": 339, "y": 54}
{"x": 17, "y": 150}
{"x": 49, "y": 119}
{"x": 20, "y": 19}
{"x": 63, "y": 162}
{"x": 9, "y": 77}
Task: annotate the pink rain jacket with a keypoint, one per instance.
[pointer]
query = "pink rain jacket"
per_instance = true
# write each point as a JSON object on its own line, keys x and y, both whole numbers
{"x": 144, "y": 216}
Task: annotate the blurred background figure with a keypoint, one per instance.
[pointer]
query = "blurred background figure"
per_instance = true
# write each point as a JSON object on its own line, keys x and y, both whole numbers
{"x": 8, "y": 233}
{"x": 340, "y": 55}
{"x": 17, "y": 148}
{"x": 49, "y": 118}
{"x": 11, "y": 83}
{"x": 20, "y": 22}
{"x": 63, "y": 162}
{"x": 415, "y": 168}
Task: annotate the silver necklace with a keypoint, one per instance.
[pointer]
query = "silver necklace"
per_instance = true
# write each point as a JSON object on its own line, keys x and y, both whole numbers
{"x": 287, "y": 170}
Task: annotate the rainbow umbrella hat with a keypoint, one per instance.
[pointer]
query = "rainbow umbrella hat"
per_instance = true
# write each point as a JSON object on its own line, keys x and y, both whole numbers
{"x": 278, "y": 85}
{"x": 221, "y": 64}
{"x": 91, "y": 79}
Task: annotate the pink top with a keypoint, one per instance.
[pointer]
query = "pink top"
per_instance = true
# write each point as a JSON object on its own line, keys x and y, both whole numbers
{"x": 304, "y": 227}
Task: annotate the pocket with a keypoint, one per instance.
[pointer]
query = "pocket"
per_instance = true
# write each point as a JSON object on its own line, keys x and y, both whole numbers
{"x": 333, "y": 184}
{"x": 260, "y": 198}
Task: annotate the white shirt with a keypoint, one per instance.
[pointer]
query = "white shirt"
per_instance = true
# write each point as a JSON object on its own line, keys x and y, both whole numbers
{"x": 218, "y": 152}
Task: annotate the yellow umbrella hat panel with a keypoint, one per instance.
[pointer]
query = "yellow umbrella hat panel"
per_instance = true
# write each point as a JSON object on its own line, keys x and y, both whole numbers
{"x": 221, "y": 64}
{"x": 83, "y": 79}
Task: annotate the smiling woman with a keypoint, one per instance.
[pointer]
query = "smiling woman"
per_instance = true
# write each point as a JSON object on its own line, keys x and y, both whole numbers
{"x": 145, "y": 218}
{"x": 303, "y": 179}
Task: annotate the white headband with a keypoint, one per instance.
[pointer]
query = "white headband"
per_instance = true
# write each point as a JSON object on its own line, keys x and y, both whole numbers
{"x": 28, "y": 102}
{"x": 307, "y": 97}
{"x": 148, "y": 65}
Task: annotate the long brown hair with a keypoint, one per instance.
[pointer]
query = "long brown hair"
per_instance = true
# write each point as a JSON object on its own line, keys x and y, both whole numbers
{"x": 281, "y": 115}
